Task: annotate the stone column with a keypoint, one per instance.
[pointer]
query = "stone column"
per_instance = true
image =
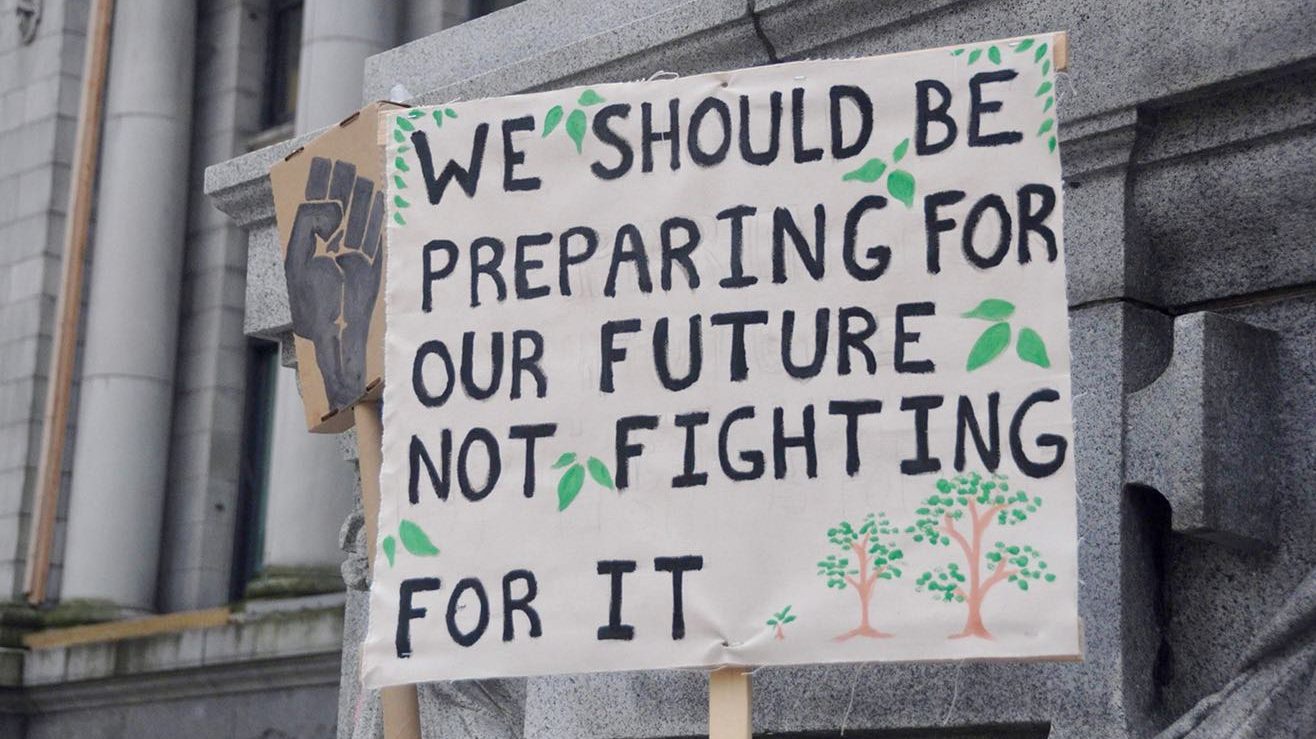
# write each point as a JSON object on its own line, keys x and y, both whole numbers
{"x": 124, "y": 416}
{"x": 337, "y": 37}
{"x": 310, "y": 485}
{"x": 309, "y": 492}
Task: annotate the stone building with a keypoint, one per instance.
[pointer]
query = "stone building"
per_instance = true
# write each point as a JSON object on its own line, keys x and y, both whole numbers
{"x": 192, "y": 503}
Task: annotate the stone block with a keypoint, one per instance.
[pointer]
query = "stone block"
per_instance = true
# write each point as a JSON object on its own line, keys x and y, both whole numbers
{"x": 555, "y": 39}
{"x": 45, "y": 666}
{"x": 1201, "y": 434}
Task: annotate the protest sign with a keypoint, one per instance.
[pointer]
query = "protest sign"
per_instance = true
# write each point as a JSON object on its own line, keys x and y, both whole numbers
{"x": 759, "y": 367}
{"x": 329, "y": 206}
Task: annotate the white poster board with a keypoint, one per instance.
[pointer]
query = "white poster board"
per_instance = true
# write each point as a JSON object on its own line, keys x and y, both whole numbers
{"x": 760, "y": 367}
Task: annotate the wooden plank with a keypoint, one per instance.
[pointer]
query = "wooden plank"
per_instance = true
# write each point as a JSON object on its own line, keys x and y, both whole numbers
{"x": 68, "y": 306}
{"x": 133, "y": 628}
{"x": 1060, "y": 49}
{"x": 730, "y": 695}
{"x": 399, "y": 703}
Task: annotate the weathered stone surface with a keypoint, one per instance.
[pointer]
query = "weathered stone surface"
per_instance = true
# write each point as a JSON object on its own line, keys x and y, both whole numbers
{"x": 1202, "y": 434}
{"x": 1274, "y": 694}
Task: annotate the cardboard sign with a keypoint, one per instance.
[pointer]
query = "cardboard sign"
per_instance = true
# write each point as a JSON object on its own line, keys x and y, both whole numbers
{"x": 761, "y": 367}
{"x": 329, "y": 202}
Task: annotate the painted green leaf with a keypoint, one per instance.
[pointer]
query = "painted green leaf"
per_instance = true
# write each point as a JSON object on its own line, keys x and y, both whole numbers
{"x": 552, "y": 118}
{"x": 899, "y": 152}
{"x": 399, "y": 202}
{"x": 404, "y": 149}
{"x": 973, "y": 55}
{"x": 869, "y": 172}
{"x": 772, "y": 622}
{"x": 1043, "y": 89}
{"x": 413, "y": 113}
{"x": 401, "y": 164}
{"x": 450, "y": 112}
{"x": 957, "y": 52}
{"x": 599, "y": 471}
{"x": 989, "y": 346}
{"x": 398, "y": 137}
{"x": 1049, "y": 102}
{"x": 576, "y": 128}
{"x": 564, "y": 460}
{"x": 390, "y": 547}
{"x": 1046, "y": 67}
{"x": 789, "y": 619}
{"x": 1024, "y": 45}
{"x": 569, "y": 486}
{"x": 1041, "y": 52}
{"x": 994, "y": 54}
{"x": 1046, "y": 126}
{"x": 901, "y": 186}
{"x": 438, "y": 118}
{"x": 1031, "y": 348}
{"x": 405, "y": 124}
{"x": 397, "y": 180}
{"x": 415, "y": 541}
{"x": 397, "y": 218}
{"x": 589, "y": 97}
{"x": 1051, "y": 144}
{"x": 991, "y": 309}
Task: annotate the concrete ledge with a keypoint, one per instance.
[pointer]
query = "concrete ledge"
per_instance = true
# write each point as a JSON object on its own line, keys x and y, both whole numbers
{"x": 126, "y": 629}
{"x": 270, "y": 639}
{"x": 1201, "y": 435}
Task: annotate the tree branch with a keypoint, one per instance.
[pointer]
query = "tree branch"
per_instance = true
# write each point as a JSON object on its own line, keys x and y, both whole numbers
{"x": 948, "y": 525}
{"x": 852, "y": 582}
{"x": 981, "y": 524}
{"x": 1000, "y": 573}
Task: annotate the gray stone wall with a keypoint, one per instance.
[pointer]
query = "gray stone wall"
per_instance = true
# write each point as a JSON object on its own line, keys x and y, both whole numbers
{"x": 202, "y": 508}
{"x": 39, "y": 88}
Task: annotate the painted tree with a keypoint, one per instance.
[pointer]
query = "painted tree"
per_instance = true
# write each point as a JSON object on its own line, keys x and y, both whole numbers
{"x": 961, "y": 512}
{"x": 868, "y": 555}
{"x": 778, "y": 622}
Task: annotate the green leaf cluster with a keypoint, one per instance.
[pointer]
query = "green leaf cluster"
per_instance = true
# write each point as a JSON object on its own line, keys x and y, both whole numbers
{"x": 899, "y": 183}
{"x": 573, "y": 479}
{"x": 874, "y": 535}
{"x": 943, "y": 583}
{"x": 953, "y": 497}
{"x": 414, "y": 540}
{"x": 993, "y": 341}
{"x": 782, "y": 617}
{"x": 577, "y": 120}
{"x": 1026, "y": 559}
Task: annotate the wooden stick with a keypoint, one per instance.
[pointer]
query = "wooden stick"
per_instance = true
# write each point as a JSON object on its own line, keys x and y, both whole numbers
{"x": 399, "y": 703}
{"x": 1060, "y": 50}
{"x": 730, "y": 695}
{"x": 68, "y": 306}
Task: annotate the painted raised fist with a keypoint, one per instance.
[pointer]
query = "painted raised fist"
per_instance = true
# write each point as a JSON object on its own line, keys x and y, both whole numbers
{"x": 333, "y": 264}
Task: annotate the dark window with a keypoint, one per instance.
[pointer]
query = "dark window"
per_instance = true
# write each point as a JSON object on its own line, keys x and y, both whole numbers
{"x": 257, "y": 424}
{"x": 485, "y": 7}
{"x": 282, "y": 62}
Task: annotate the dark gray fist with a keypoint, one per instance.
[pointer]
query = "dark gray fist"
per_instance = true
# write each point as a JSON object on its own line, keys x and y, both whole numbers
{"x": 333, "y": 264}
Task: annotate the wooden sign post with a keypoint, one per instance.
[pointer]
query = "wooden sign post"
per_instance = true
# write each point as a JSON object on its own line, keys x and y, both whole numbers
{"x": 399, "y": 703}
{"x": 730, "y": 693}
